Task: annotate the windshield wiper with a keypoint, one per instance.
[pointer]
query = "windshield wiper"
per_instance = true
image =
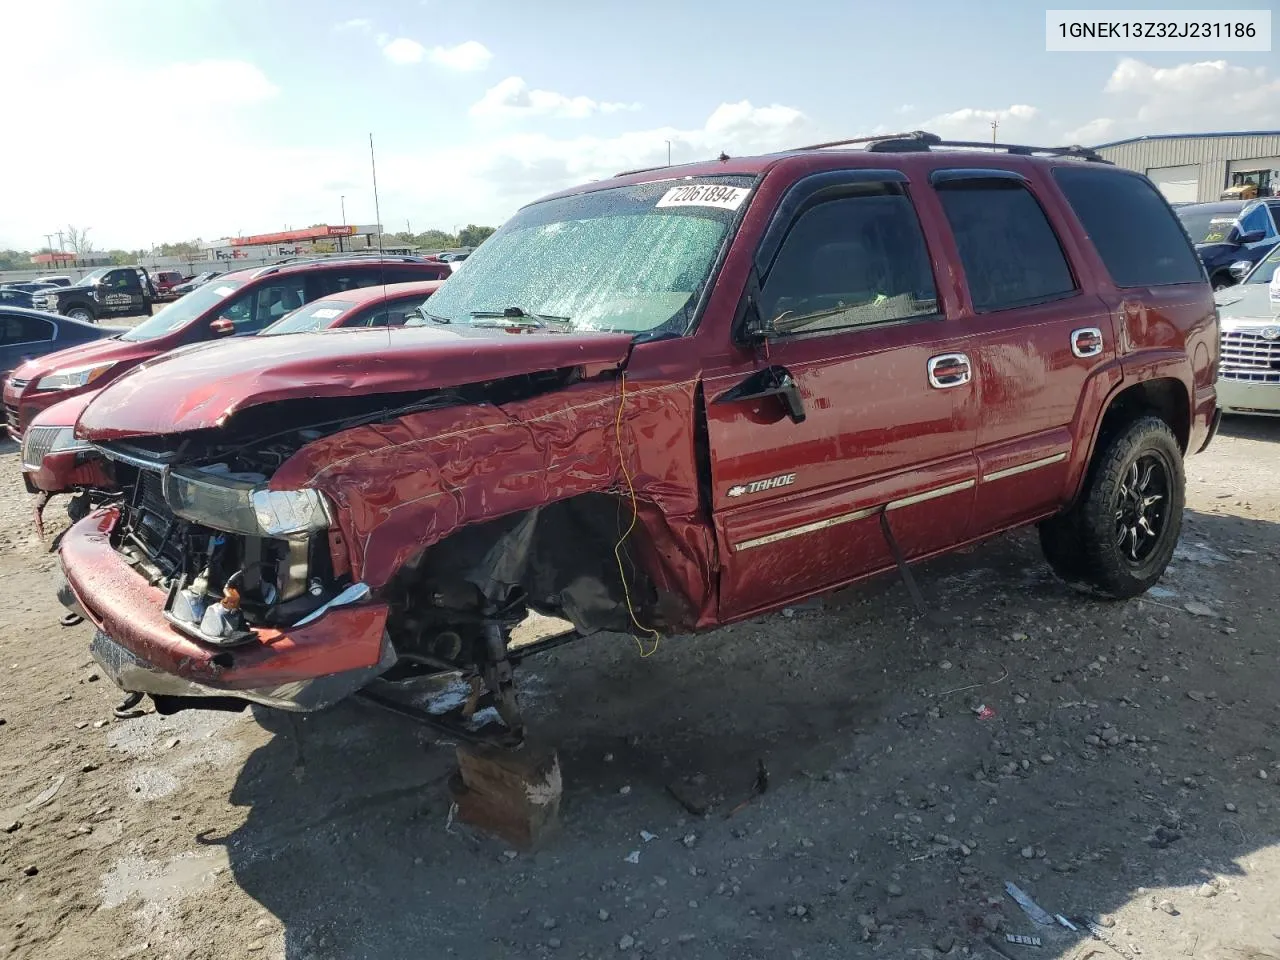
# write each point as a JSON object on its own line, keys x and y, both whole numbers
{"x": 517, "y": 316}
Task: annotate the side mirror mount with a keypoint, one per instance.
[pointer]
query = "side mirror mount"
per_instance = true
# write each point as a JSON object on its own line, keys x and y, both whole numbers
{"x": 1240, "y": 269}
{"x": 773, "y": 381}
{"x": 1253, "y": 236}
{"x": 223, "y": 326}
{"x": 750, "y": 323}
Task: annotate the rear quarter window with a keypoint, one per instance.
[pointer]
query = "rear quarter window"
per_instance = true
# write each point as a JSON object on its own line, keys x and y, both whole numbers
{"x": 1132, "y": 227}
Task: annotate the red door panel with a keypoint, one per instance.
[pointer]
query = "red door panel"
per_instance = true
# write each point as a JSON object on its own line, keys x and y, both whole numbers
{"x": 875, "y": 432}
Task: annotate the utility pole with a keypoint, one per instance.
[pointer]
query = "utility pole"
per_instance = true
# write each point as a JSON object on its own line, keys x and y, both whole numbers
{"x": 48, "y": 239}
{"x": 59, "y": 241}
{"x": 668, "y": 142}
{"x": 995, "y": 125}
{"x": 343, "y": 201}
{"x": 408, "y": 228}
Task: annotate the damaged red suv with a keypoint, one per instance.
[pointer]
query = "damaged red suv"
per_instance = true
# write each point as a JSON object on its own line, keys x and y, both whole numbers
{"x": 657, "y": 404}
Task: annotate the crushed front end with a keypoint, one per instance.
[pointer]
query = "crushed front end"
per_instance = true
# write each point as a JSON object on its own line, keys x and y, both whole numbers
{"x": 205, "y": 585}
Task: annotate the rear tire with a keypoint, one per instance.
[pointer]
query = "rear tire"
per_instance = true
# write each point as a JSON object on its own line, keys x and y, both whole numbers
{"x": 83, "y": 314}
{"x": 1121, "y": 534}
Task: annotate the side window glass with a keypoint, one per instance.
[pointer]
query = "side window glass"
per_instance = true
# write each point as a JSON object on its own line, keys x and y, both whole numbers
{"x": 374, "y": 318}
{"x": 1010, "y": 254}
{"x": 271, "y": 302}
{"x": 1136, "y": 233}
{"x": 336, "y": 281}
{"x": 10, "y": 331}
{"x": 850, "y": 262}
{"x": 31, "y": 329}
{"x": 1256, "y": 220}
{"x": 400, "y": 312}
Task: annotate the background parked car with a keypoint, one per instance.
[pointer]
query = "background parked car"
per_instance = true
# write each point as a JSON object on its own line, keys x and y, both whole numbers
{"x": 55, "y": 462}
{"x": 1249, "y": 361}
{"x": 165, "y": 281}
{"x": 239, "y": 303}
{"x": 106, "y": 292}
{"x": 1226, "y": 232}
{"x": 27, "y": 334}
{"x": 198, "y": 280}
{"x": 9, "y": 297}
{"x": 57, "y": 280}
{"x": 27, "y": 286}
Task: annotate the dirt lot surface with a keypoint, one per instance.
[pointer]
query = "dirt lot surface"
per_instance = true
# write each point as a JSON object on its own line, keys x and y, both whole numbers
{"x": 1128, "y": 768}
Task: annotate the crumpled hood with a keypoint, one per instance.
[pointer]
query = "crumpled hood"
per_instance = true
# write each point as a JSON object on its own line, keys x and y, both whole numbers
{"x": 81, "y": 355}
{"x": 200, "y": 389}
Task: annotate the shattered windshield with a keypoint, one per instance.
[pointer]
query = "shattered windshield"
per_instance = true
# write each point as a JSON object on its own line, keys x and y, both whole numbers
{"x": 628, "y": 259}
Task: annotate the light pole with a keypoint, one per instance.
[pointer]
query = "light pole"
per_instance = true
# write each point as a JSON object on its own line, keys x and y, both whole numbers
{"x": 343, "y": 201}
{"x": 995, "y": 125}
{"x": 668, "y": 143}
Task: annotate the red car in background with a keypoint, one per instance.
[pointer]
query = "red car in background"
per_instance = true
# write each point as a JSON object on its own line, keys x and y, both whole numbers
{"x": 54, "y": 461}
{"x": 164, "y": 281}
{"x": 236, "y": 304}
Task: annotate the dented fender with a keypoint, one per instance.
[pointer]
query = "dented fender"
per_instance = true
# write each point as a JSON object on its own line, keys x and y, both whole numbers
{"x": 402, "y": 486}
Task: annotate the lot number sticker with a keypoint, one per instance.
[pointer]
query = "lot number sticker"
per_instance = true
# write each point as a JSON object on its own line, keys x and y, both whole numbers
{"x": 704, "y": 195}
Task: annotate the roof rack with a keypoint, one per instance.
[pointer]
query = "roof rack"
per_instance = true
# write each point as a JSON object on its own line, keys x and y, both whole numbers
{"x": 919, "y": 141}
{"x": 337, "y": 258}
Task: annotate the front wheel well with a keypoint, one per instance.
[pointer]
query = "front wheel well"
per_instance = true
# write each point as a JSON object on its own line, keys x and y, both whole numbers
{"x": 557, "y": 560}
{"x": 1165, "y": 397}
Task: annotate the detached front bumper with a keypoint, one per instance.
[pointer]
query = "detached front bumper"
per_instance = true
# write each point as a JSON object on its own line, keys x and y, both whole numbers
{"x": 293, "y": 668}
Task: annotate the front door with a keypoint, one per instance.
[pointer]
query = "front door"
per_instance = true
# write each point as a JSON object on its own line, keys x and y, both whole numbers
{"x": 883, "y": 397}
{"x": 122, "y": 293}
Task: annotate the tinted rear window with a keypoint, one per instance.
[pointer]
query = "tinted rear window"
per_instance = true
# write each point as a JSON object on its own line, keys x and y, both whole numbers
{"x": 1135, "y": 233}
{"x": 1011, "y": 255}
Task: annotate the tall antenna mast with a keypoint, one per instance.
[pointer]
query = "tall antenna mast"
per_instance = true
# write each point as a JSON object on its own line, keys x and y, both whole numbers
{"x": 377, "y": 213}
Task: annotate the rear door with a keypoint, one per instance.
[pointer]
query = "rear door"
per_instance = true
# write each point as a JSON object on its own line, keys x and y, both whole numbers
{"x": 883, "y": 382}
{"x": 1038, "y": 336}
{"x": 21, "y": 338}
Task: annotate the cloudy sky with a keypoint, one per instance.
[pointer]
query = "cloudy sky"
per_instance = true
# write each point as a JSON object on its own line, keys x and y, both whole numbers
{"x": 150, "y": 121}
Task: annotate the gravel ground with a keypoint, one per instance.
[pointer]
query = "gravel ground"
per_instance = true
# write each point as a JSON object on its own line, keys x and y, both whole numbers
{"x": 1127, "y": 767}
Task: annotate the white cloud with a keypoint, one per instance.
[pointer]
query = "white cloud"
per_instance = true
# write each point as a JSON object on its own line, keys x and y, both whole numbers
{"x": 513, "y": 98}
{"x": 468, "y": 56}
{"x": 404, "y": 51}
{"x": 1190, "y": 97}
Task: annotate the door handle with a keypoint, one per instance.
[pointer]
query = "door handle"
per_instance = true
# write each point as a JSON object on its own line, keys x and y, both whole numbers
{"x": 949, "y": 370}
{"x": 772, "y": 381}
{"x": 1086, "y": 342}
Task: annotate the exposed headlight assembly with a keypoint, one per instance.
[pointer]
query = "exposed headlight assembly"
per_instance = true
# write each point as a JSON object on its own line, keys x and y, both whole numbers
{"x": 74, "y": 378}
{"x": 241, "y": 503}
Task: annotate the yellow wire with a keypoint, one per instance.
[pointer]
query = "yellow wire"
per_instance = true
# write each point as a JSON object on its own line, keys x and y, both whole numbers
{"x": 635, "y": 516}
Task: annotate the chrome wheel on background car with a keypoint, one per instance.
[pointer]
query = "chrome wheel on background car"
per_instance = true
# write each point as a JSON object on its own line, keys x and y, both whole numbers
{"x": 81, "y": 314}
{"x": 1120, "y": 535}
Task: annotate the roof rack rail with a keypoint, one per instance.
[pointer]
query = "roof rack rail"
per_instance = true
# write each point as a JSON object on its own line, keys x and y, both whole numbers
{"x": 921, "y": 141}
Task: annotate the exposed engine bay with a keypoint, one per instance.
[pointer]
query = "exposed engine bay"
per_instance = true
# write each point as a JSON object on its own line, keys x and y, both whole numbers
{"x": 199, "y": 521}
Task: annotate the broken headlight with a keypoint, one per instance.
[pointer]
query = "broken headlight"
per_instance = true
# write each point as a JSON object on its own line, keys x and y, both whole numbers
{"x": 241, "y": 503}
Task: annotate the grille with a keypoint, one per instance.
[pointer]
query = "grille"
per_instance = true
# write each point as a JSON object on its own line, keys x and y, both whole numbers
{"x": 151, "y": 525}
{"x": 1250, "y": 358}
{"x": 11, "y": 418}
{"x": 35, "y": 444}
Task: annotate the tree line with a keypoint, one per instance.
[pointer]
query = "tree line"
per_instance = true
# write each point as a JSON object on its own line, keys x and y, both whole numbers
{"x": 76, "y": 240}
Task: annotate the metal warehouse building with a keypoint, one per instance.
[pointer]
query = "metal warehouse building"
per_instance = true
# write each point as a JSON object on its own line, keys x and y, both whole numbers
{"x": 1192, "y": 167}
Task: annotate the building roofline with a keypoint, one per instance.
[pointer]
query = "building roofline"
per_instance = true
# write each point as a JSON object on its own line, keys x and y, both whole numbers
{"x": 1188, "y": 136}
